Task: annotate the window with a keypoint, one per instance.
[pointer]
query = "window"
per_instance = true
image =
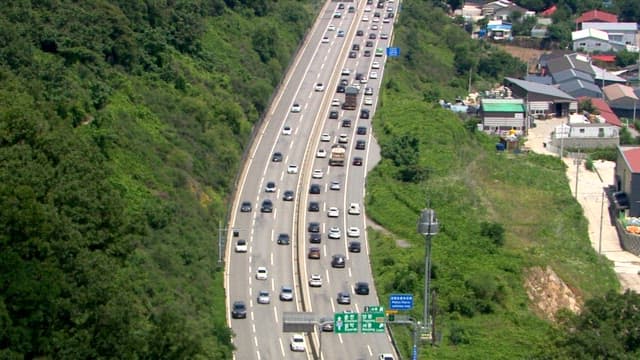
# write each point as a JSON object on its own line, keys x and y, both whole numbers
{"x": 598, "y": 44}
{"x": 600, "y": 132}
{"x": 582, "y": 44}
{"x": 581, "y": 131}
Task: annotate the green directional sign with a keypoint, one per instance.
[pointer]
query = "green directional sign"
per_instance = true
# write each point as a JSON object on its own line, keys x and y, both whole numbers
{"x": 372, "y": 322}
{"x": 374, "y": 309}
{"x": 345, "y": 323}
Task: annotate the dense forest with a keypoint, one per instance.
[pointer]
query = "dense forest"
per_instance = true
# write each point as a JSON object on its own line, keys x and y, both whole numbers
{"x": 122, "y": 125}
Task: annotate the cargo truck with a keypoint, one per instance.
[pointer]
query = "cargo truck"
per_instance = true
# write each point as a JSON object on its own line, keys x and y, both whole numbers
{"x": 338, "y": 153}
{"x": 350, "y": 98}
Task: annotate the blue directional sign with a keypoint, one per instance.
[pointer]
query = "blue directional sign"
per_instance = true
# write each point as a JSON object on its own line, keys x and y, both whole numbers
{"x": 414, "y": 353}
{"x": 393, "y": 51}
{"x": 401, "y": 301}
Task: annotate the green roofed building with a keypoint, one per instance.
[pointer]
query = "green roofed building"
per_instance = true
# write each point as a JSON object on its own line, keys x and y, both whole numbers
{"x": 500, "y": 115}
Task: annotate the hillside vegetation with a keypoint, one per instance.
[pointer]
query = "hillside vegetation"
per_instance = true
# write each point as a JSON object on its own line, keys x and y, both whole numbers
{"x": 500, "y": 214}
{"x": 122, "y": 126}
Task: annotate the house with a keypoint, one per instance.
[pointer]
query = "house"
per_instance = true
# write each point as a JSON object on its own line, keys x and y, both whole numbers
{"x": 603, "y": 77}
{"x": 590, "y": 40}
{"x": 540, "y": 29}
{"x": 569, "y": 75}
{"x": 604, "y": 110}
{"x": 546, "y": 80}
{"x": 542, "y": 101}
{"x": 627, "y": 177}
{"x": 623, "y": 33}
{"x": 570, "y": 61}
{"x": 595, "y": 16}
{"x": 577, "y": 88}
{"x": 622, "y": 99}
{"x": 585, "y": 132}
{"x": 500, "y": 115}
{"x": 498, "y": 30}
{"x": 549, "y": 11}
{"x": 502, "y": 9}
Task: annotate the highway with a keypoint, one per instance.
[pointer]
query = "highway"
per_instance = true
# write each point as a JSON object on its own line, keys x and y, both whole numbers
{"x": 320, "y": 60}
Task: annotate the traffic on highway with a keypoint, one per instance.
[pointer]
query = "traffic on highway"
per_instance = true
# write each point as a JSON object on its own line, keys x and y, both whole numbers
{"x": 297, "y": 240}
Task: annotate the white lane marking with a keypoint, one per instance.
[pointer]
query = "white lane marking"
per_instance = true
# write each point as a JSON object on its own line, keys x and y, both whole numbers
{"x": 310, "y": 94}
{"x": 327, "y": 271}
{"x": 273, "y": 284}
{"x": 357, "y": 308}
{"x": 333, "y": 307}
{"x": 340, "y": 338}
{"x": 250, "y": 292}
{"x": 255, "y": 340}
{"x": 290, "y": 145}
{"x": 370, "y": 352}
{"x": 271, "y": 259}
{"x": 252, "y": 318}
{"x": 281, "y": 177}
{"x": 275, "y": 213}
{"x": 275, "y": 313}
{"x": 278, "y": 193}
{"x": 281, "y": 347}
{"x": 324, "y": 248}
{"x": 253, "y": 326}
{"x": 349, "y": 272}
{"x": 257, "y": 354}
{"x": 321, "y": 67}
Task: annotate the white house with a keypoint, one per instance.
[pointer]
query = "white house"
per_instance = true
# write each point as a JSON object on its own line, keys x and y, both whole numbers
{"x": 590, "y": 40}
{"x": 582, "y": 132}
{"x": 624, "y": 33}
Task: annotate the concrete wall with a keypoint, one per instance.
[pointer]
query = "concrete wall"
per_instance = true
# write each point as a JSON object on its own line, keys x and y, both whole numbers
{"x": 584, "y": 142}
{"x": 591, "y": 45}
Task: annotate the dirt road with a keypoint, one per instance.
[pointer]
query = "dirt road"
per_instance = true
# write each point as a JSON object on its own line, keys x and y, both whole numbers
{"x": 590, "y": 186}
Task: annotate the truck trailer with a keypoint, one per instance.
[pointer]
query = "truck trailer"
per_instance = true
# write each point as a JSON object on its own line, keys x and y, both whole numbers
{"x": 338, "y": 153}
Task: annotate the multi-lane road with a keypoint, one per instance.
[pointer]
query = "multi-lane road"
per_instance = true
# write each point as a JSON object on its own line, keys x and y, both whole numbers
{"x": 297, "y": 136}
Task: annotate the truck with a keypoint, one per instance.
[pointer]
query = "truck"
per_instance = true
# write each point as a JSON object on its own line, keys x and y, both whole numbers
{"x": 350, "y": 98}
{"x": 337, "y": 155}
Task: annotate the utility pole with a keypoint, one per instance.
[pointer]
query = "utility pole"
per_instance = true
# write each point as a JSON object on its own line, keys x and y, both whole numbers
{"x": 578, "y": 161}
{"x": 601, "y": 217}
{"x": 428, "y": 226}
{"x": 221, "y": 232}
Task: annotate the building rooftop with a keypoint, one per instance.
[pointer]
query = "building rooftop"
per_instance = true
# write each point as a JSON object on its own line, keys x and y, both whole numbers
{"x": 575, "y": 86}
{"x": 537, "y": 88}
{"x": 618, "y": 91}
{"x": 503, "y": 105}
{"x": 589, "y": 33}
{"x": 570, "y": 74}
{"x": 602, "y": 74}
{"x": 570, "y": 61}
{"x": 631, "y": 155}
{"x": 609, "y": 26}
{"x": 596, "y": 15}
{"x": 605, "y": 110}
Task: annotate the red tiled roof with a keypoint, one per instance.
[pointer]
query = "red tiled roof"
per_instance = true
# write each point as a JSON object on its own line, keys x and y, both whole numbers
{"x": 597, "y": 15}
{"x": 604, "y": 58}
{"x": 550, "y": 11}
{"x": 605, "y": 111}
{"x": 633, "y": 158}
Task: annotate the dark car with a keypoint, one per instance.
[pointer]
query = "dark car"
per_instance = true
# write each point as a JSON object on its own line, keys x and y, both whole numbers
{"x": 367, "y": 53}
{"x": 354, "y": 246}
{"x": 283, "y": 239}
{"x": 343, "y": 298}
{"x": 353, "y": 54}
{"x": 346, "y": 123}
{"x": 333, "y": 114}
{"x": 327, "y": 324}
{"x": 357, "y": 161}
{"x": 314, "y": 206}
{"x": 314, "y": 189}
{"x": 359, "y": 76}
{"x": 369, "y": 44}
{"x": 621, "y": 200}
{"x": 364, "y": 114}
{"x": 314, "y": 252}
{"x": 344, "y": 82}
{"x": 362, "y": 288}
{"x": 277, "y": 157}
{"x": 314, "y": 227}
{"x": 245, "y": 207}
{"x": 372, "y": 36}
{"x": 338, "y": 261}
{"x": 287, "y": 195}
{"x": 355, "y": 47}
{"x": 352, "y": 9}
{"x": 361, "y": 130}
{"x": 340, "y": 89}
{"x": 361, "y": 144}
{"x": 315, "y": 238}
{"x": 239, "y": 310}
{"x": 359, "y": 33}
{"x": 267, "y": 206}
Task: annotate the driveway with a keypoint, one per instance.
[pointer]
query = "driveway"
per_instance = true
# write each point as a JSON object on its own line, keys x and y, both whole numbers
{"x": 590, "y": 184}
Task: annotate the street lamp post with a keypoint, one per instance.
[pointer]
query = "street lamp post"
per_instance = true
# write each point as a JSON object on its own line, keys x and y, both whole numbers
{"x": 428, "y": 226}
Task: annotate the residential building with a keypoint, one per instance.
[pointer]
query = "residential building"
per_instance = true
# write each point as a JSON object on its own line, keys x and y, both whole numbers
{"x": 502, "y": 9}
{"x": 585, "y": 132}
{"x": 577, "y": 88}
{"x": 498, "y": 30}
{"x": 623, "y": 33}
{"x": 595, "y": 16}
{"x": 570, "y": 61}
{"x": 604, "y": 111}
{"x": 623, "y": 99}
{"x": 569, "y": 75}
{"x": 500, "y": 115}
{"x": 627, "y": 177}
{"x": 603, "y": 77}
{"x": 542, "y": 100}
{"x": 546, "y": 80}
{"x": 540, "y": 29}
{"x": 590, "y": 40}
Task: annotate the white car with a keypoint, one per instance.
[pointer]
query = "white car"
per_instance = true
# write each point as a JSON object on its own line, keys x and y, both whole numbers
{"x": 373, "y": 75}
{"x": 296, "y": 108}
{"x": 262, "y": 273}
{"x": 346, "y": 72}
{"x": 374, "y": 27}
{"x": 363, "y": 80}
{"x": 375, "y": 19}
{"x": 325, "y": 137}
{"x": 319, "y": 87}
{"x": 241, "y": 246}
{"x": 353, "y": 231}
{"x": 263, "y": 297}
{"x": 317, "y": 174}
{"x": 315, "y": 280}
{"x": 333, "y": 212}
{"x": 385, "y": 357}
{"x": 384, "y": 36}
{"x": 292, "y": 169}
{"x": 375, "y": 65}
{"x": 354, "y": 209}
{"x": 298, "y": 343}
{"x": 343, "y": 139}
{"x": 331, "y": 27}
{"x": 368, "y": 101}
{"x": 325, "y": 40}
{"x": 335, "y": 185}
{"x": 335, "y": 102}
{"x": 368, "y": 91}
{"x": 367, "y": 9}
{"x": 335, "y": 233}
{"x": 322, "y": 153}
{"x": 286, "y": 130}
{"x": 365, "y": 18}
{"x": 356, "y": 85}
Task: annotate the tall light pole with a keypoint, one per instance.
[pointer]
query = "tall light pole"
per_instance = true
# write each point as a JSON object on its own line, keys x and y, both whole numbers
{"x": 428, "y": 226}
